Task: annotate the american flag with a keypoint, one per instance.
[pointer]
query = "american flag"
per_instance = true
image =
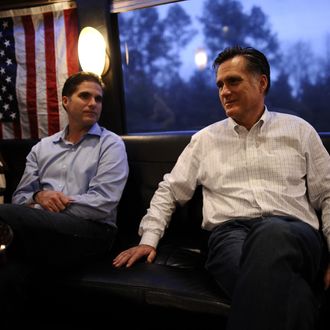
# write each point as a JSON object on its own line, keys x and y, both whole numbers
{"x": 38, "y": 51}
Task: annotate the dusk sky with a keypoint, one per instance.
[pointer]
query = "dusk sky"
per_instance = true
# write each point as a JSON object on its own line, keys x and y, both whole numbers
{"x": 297, "y": 19}
{"x": 287, "y": 17}
{"x": 292, "y": 20}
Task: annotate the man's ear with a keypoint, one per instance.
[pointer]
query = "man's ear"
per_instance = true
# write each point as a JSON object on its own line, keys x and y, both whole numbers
{"x": 65, "y": 101}
{"x": 263, "y": 83}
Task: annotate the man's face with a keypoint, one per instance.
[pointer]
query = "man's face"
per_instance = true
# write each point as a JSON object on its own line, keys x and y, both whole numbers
{"x": 84, "y": 106}
{"x": 241, "y": 92}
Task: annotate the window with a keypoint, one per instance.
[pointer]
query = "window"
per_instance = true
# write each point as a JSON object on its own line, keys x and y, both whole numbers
{"x": 168, "y": 50}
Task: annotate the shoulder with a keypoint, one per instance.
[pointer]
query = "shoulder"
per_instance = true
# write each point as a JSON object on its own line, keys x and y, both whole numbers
{"x": 108, "y": 136}
{"x": 112, "y": 144}
{"x": 215, "y": 133}
{"x": 47, "y": 141}
{"x": 292, "y": 128}
{"x": 208, "y": 137}
{"x": 213, "y": 129}
{"x": 102, "y": 136}
{"x": 290, "y": 121}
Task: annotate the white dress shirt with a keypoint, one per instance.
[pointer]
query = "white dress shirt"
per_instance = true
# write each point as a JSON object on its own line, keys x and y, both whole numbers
{"x": 278, "y": 167}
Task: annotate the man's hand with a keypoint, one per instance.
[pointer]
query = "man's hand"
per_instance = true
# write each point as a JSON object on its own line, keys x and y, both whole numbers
{"x": 53, "y": 201}
{"x": 130, "y": 256}
{"x": 327, "y": 278}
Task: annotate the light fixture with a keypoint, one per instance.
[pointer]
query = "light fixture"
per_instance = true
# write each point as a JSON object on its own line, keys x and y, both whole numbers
{"x": 92, "y": 51}
{"x": 201, "y": 58}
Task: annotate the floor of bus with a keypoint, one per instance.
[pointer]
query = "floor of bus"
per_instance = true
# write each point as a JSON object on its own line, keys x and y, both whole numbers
{"x": 91, "y": 313}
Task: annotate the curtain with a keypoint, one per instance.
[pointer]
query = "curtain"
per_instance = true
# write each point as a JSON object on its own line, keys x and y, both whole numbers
{"x": 38, "y": 51}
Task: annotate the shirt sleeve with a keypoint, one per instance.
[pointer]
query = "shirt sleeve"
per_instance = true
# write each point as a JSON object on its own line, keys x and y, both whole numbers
{"x": 318, "y": 179}
{"x": 178, "y": 186}
{"x": 29, "y": 182}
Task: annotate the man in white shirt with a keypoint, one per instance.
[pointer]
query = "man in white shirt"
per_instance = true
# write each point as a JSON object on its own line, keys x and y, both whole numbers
{"x": 264, "y": 177}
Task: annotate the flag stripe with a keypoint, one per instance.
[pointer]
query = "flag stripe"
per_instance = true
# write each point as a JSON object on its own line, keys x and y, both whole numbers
{"x": 51, "y": 86}
{"x": 61, "y": 63}
{"x": 71, "y": 28}
{"x": 38, "y": 21}
{"x": 19, "y": 36}
{"x": 44, "y": 42}
{"x": 31, "y": 88}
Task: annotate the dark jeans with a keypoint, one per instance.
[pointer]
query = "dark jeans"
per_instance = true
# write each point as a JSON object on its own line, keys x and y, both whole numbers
{"x": 270, "y": 268}
{"x": 43, "y": 240}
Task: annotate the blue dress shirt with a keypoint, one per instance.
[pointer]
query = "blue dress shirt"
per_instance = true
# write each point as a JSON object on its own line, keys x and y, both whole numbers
{"x": 93, "y": 172}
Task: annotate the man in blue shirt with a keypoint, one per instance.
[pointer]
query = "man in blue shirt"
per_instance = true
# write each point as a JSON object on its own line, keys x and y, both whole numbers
{"x": 64, "y": 208}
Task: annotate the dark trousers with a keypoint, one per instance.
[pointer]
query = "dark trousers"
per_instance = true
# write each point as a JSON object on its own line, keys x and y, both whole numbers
{"x": 270, "y": 268}
{"x": 43, "y": 240}
{"x": 55, "y": 238}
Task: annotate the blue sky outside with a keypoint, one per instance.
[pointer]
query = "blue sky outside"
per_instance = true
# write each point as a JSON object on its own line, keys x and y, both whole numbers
{"x": 291, "y": 20}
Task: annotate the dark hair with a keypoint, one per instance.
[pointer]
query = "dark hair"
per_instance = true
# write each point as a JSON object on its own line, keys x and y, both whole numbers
{"x": 256, "y": 60}
{"x": 76, "y": 79}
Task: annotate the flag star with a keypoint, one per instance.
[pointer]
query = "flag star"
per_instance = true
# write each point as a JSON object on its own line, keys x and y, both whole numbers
{"x": 7, "y": 43}
{"x": 13, "y": 115}
{"x": 10, "y": 97}
{"x": 9, "y": 61}
{"x": 2, "y": 71}
{"x": 8, "y": 79}
{"x": 6, "y": 106}
{"x": 3, "y": 88}
{"x": 5, "y": 24}
{"x": 2, "y": 53}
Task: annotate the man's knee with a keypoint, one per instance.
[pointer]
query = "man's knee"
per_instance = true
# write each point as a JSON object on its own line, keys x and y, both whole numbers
{"x": 290, "y": 241}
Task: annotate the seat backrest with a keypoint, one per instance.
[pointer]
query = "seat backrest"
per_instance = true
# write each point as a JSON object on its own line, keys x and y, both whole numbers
{"x": 150, "y": 158}
{"x": 14, "y": 153}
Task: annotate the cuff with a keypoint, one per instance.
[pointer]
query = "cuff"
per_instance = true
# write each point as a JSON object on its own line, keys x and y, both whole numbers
{"x": 151, "y": 239}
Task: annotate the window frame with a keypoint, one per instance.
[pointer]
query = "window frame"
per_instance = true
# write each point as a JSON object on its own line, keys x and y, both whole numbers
{"x": 121, "y": 6}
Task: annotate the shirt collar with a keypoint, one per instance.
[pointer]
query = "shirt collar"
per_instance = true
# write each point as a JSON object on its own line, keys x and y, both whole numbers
{"x": 264, "y": 118}
{"x": 94, "y": 130}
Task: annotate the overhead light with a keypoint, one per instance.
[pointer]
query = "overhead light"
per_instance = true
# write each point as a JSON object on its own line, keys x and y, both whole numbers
{"x": 92, "y": 51}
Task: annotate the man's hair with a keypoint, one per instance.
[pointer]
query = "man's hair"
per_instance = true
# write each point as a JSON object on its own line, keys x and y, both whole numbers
{"x": 76, "y": 79}
{"x": 256, "y": 61}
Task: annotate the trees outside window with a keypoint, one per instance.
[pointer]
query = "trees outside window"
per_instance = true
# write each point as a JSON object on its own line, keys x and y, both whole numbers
{"x": 163, "y": 95}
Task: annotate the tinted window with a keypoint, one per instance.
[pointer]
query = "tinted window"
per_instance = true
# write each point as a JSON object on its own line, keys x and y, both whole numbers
{"x": 166, "y": 90}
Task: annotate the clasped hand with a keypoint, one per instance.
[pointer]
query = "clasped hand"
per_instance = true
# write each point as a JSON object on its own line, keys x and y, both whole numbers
{"x": 53, "y": 201}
